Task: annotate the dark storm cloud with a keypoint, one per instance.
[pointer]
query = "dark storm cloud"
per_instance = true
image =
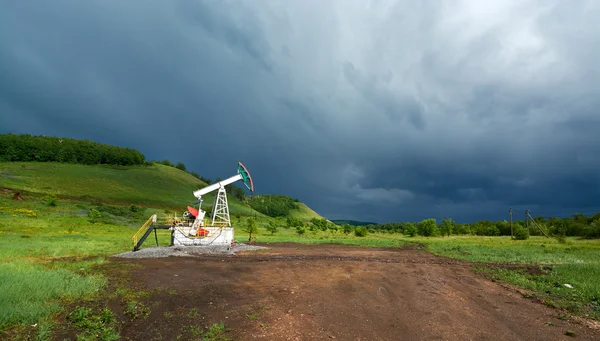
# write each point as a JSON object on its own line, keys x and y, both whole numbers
{"x": 381, "y": 111}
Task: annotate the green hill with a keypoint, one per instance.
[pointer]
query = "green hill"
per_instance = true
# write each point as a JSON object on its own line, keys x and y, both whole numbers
{"x": 304, "y": 212}
{"x": 154, "y": 185}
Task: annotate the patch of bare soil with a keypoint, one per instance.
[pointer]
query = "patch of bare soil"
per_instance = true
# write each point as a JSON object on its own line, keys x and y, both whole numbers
{"x": 17, "y": 196}
{"x": 325, "y": 292}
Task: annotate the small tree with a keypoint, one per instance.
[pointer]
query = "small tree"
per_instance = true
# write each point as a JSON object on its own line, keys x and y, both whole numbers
{"x": 428, "y": 228}
{"x": 251, "y": 227}
{"x": 410, "y": 229}
{"x": 180, "y": 166}
{"x": 360, "y": 231}
{"x": 347, "y": 228}
{"x": 447, "y": 226}
{"x": 332, "y": 228}
{"x": 294, "y": 222}
{"x": 273, "y": 228}
{"x": 94, "y": 215}
{"x": 521, "y": 233}
{"x": 300, "y": 230}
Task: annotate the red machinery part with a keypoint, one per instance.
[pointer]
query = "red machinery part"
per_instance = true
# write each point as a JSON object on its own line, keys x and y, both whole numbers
{"x": 192, "y": 211}
{"x": 202, "y": 232}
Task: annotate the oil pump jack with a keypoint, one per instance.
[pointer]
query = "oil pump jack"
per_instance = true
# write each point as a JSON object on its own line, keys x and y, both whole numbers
{"x": 219, "y": 231}
{"x": 193, "y": 231}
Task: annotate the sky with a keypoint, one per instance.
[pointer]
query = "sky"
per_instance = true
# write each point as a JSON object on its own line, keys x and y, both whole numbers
{"x": 367, "y": 110}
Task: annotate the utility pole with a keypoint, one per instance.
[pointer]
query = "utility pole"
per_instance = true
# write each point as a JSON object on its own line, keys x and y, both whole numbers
{"x": 511, "y": 227}
{"x": 527, "y": 220}
{"x": 536, "y": 224}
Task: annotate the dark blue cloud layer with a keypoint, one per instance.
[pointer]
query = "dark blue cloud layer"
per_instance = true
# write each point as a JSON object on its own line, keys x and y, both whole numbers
{"x": 450, "y": 112}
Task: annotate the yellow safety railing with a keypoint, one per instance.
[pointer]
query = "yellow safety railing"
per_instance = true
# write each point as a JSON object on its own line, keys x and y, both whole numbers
{"x": 143, "y": 228}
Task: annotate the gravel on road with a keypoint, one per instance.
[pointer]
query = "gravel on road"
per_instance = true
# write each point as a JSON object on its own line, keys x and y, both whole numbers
{"x": 187, "y": 251}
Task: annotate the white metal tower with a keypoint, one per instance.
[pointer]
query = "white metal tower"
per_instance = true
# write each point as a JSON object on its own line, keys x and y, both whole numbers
{"x": 221, "y": 210}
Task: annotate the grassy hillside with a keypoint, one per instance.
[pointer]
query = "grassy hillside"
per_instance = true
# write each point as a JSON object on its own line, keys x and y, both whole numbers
{"x": 157, "y": 186}
{"x": 304, "y": 212}
{"x": 149, "y": 185}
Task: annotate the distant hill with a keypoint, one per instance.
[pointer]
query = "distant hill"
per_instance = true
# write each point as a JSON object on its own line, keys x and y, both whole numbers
{"x": 352, "y": 222}
{"x": 274, "y": 205}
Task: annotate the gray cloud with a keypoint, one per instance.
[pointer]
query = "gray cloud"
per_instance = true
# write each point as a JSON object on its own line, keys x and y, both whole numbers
{"x": 382, "y": 111}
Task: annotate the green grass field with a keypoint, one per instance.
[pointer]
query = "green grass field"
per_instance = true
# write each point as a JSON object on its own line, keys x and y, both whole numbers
{"x": 48, "y": 252}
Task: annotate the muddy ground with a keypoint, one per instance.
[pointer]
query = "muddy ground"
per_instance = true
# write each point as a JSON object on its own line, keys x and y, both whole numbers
{"x": 325, "y": 292}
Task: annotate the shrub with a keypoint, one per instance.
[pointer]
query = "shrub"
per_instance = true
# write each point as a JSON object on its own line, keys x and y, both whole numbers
{"x": 360, "y": 231}
{"x": 51, "y": 200}
{"x": 94, "y": 215}
{"x": 447, "y": 226}
{"x": 593, "y": 230}
{"x": 521, "y": 233}
{"x": 347, "y": 228}
{"x": 181, "y": 166}
{"x": 272, "y": 227}
{"x": 410, "y": 229}
{"x": 294, "y": 222}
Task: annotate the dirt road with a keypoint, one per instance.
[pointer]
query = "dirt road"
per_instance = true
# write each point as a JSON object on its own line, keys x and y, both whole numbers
{"x": 296, "y": 292}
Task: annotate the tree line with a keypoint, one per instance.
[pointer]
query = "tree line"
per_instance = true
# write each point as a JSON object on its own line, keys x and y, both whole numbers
{"x": 578, "y": 225}
{"x": 27, "y": 148}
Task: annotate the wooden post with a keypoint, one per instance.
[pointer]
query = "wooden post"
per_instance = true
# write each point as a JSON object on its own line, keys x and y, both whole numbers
{"x": 511, "y": 226}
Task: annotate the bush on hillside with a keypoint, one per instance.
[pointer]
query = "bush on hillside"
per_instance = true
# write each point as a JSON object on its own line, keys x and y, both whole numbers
{"x": 321, "y": 223}
{"x": 272, "y": 227}
{"x": 293, "y": 222}
{"x": 51, "y": 200}
{"x": 300, "y": 230}
{"x": 273, "y": 205}
{"x": 94, "y": 215}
